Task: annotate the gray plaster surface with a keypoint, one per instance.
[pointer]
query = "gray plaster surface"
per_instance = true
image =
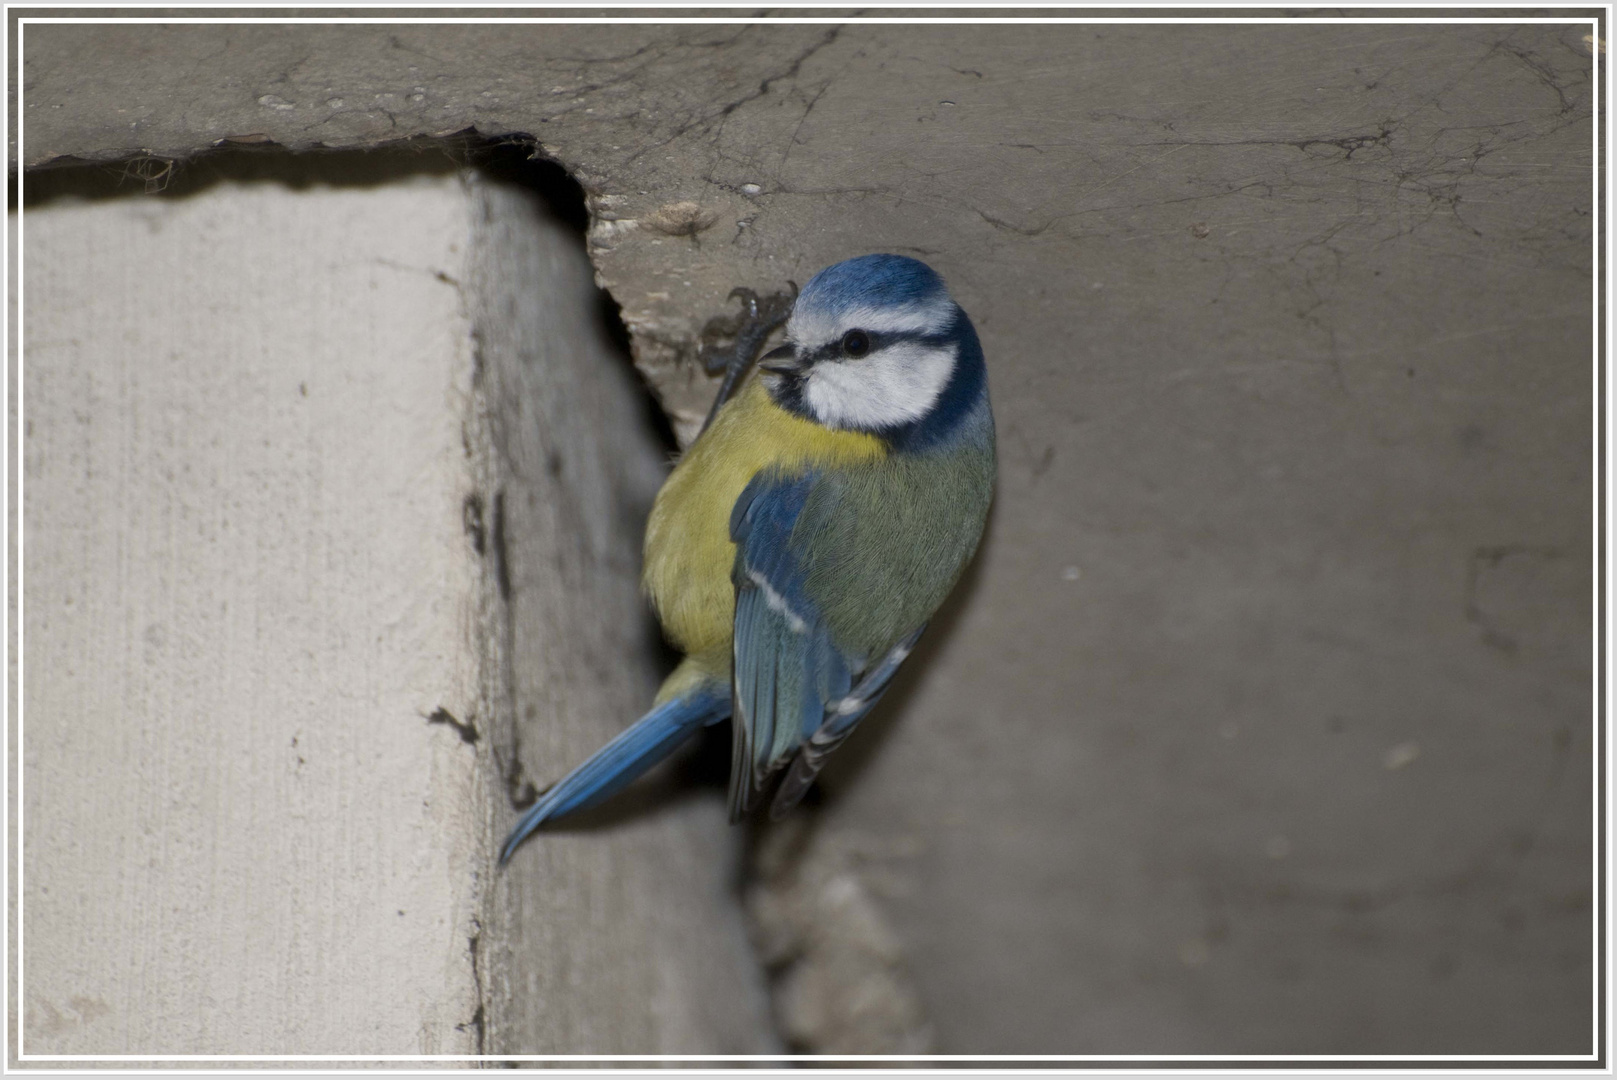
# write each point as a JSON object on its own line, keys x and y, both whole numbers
{"x": 1264, "y": 722}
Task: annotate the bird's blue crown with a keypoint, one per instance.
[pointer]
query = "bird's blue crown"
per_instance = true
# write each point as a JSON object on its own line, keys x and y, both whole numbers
{"x": 872, "y": 281}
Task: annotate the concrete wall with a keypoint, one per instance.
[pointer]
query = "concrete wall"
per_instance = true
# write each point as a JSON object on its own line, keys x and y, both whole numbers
{"x": 1263, "y": 723}
{"x": 246, "y": 586}
{"x": 267, "y": 454}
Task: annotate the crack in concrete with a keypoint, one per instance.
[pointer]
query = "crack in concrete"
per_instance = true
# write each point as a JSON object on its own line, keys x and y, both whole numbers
{"x": 478, "y": 1024}
{"x": 708, "y": 120}
{"x": 520, "y": 791}
{"x": 1348, "y": 143}
{"x": 466, "y": 729}
{"x": 1540, "y": 69}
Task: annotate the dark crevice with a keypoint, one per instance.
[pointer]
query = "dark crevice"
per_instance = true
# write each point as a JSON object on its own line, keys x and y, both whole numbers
{"x": 519, "y": 161}
{"x": 520, "y": 791}
{"x": 472, "y": 519}
{"x": 144, "y": 175}
{"x": 478, "y": 1024}
{"x": 516, "y": 160}
{"x": 610, "y": 314}
{"x": 502, "y": 558}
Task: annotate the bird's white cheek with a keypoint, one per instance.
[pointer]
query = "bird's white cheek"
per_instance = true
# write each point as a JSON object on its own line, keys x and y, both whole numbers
{"x": 898, "y": 385}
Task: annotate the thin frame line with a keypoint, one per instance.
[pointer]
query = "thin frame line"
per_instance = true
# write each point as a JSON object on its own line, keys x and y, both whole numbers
{"x": 1603, "y": 533}
{"x": 1596, "y": 553}
{"x": 22, "y": 426}
{"x": 988, "y": 5}
{"x": 795, "y": 20}
{"x": 23, "y": 21}
{"x": 1548, "y": 1059}
{"x": 15, "y": 458}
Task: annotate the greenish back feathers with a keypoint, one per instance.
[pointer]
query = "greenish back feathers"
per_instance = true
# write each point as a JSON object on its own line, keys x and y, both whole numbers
{"x": 885, "y": 541}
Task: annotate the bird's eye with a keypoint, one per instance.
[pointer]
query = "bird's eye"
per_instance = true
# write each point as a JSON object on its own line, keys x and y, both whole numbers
{"x": 855, "y": 343}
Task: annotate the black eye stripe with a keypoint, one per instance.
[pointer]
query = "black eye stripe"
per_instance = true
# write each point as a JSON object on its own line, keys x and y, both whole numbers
{"x": 880, "y": 339}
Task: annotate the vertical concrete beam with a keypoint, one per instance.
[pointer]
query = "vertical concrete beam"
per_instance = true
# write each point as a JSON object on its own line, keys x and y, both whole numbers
{"x": 246, "y": 585}
{"x": 262, "y": 553}
{"x": 620, "y": 931}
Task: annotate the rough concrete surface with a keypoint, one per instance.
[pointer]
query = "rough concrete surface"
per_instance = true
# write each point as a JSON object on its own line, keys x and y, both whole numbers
{"x": 1263, "y": 724}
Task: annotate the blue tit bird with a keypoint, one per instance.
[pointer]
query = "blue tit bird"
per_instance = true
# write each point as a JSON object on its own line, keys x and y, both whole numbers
{"x": 796, "y": 552}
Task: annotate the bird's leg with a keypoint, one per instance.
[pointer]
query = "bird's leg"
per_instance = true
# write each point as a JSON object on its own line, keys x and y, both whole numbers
{"x": 759, "y": 317}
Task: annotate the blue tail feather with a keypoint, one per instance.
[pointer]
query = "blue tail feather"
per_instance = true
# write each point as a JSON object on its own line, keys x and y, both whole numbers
{"x": 645, "y": 743}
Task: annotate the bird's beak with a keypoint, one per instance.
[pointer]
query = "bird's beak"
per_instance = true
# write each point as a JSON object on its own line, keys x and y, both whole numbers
{"x": 781, "y": 361}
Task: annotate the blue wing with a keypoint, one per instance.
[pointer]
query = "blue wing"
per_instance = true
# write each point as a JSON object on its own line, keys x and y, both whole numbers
{"x": 646, "y": 742}
{"x": 786, "y": 668}
{"x": 842, "y": 717}
{"x": 795, "y": 696}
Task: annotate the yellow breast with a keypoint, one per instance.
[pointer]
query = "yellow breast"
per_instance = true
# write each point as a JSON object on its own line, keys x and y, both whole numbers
{"x": 688, "y": 550}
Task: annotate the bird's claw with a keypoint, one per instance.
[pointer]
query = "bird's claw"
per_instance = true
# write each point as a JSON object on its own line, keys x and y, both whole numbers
{"x": 748, "y": 330}
{"x": 758, "y": 317}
